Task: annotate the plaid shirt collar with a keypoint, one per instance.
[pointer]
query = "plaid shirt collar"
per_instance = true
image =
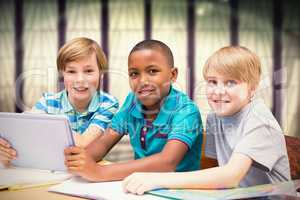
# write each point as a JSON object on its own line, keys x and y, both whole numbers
{"x": 68, "y": 107}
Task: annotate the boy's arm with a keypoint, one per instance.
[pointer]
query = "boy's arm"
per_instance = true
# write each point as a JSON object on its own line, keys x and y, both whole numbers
{"x": 99, "y": 147}
{"x": 88, "y": 136}
{"x": 166, "y": 160}
{"x": 98, "y": 124}
{"x": 226, "y": 176}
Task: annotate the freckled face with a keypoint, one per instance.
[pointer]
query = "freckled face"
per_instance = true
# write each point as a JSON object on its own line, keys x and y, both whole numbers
{"x": 150, "y": 76}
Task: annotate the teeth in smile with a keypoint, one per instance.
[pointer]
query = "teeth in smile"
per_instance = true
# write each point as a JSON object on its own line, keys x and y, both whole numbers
{"x": 145, "y": 92}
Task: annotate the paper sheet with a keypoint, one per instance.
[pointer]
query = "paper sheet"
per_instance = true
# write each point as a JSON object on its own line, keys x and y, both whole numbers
{"x": 283, "y": 188}
{"x": 103, "y": 190}
{"x": 14, "y": 177}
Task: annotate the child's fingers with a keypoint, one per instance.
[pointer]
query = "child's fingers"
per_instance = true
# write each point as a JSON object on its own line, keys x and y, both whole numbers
{"x": 73, "y": 170}
{"x": 126, "y": 181}
{"x": 4, "y": 143}
{"x": 75, "y": 163}
{"x": 72, "y": 157}
{"x": 74, "y": 166}
{"x": 141, "y": 189}
{"x": 72, "y": 150}
{"x": 133, "y": 186}
{"x": 8, "y": 152}
{"x": 5, "y": 157}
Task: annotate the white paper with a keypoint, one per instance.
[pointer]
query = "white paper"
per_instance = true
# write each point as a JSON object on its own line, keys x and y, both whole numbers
{"x": 281, "y": 188}
{"x": 103, "y": 190}
{"x": 21, "y": 176}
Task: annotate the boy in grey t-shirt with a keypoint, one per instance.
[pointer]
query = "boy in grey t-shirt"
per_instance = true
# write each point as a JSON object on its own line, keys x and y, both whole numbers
{"x": 255, "y": 133}
{"x": 242, "y": 133}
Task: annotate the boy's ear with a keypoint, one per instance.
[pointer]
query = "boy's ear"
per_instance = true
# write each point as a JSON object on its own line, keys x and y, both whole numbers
{"x": 174, "y": 74}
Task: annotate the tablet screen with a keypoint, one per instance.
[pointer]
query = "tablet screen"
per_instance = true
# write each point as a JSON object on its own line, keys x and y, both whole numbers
{"x": 40, "y": 139}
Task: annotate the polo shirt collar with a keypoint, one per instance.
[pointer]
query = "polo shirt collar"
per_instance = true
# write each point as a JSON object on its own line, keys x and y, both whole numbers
{"x": 137, "y": 107}
{"x": 67, "y": 106}
{"x": 94, "y": 102}
{"x": 169, "y": 105}
{"x": 168, "y": 108}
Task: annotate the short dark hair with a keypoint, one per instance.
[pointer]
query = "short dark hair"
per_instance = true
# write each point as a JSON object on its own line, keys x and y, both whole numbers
{"x": 155, "y": 45}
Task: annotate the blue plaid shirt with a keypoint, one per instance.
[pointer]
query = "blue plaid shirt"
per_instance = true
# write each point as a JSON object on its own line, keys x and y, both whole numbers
{"x": 99, "y": 113}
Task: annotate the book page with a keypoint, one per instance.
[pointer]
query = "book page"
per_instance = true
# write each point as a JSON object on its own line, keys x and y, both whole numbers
{"x": 281, "y": 188}
{"x": 102, "y": 190}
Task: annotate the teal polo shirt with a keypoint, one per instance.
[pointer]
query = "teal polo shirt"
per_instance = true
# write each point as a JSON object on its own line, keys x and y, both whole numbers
{"x": 178, "y": 119}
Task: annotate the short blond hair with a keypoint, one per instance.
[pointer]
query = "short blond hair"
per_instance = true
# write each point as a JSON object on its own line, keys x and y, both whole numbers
{"x": 79, "y": 48}
{"x": 236, "y": 62}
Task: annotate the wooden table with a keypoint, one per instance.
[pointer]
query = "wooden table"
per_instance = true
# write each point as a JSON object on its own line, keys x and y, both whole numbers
{"x": 34, "y": 193}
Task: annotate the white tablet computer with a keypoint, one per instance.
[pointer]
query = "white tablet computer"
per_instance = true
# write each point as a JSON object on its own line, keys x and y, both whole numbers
{"x": 39, "y": 139}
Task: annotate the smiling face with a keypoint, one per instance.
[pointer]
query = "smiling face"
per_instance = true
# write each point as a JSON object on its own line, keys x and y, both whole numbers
{"x": 81, "y": 80}
{"x": 232, "y": 74}
{"x": 150, "y": 76}
{"x": 226, "y": 96}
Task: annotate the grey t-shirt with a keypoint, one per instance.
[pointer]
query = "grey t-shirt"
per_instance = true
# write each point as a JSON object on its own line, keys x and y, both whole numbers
{"x": 254, "y": 132}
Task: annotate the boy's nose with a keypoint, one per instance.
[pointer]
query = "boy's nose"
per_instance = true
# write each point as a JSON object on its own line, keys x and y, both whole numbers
{"x": 220, "y": 89}
{"x": 80, "y": 77}
{"x": 144, "y": 78}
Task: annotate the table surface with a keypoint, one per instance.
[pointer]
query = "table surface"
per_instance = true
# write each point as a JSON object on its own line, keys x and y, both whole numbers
{"x": 34, "y": 193}
{"x": 42, "y": 193}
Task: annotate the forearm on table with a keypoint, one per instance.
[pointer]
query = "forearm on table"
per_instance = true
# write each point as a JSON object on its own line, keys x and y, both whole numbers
{"x": 226, "y": 176}
{"x": 213, "y": 178}
{"x": 100, "y": 146}
{"x": 119, "y": 171}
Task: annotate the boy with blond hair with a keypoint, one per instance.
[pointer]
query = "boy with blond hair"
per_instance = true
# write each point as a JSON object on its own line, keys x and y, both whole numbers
{"x": 81, "y": 62}
{"x": 242, "y": 133}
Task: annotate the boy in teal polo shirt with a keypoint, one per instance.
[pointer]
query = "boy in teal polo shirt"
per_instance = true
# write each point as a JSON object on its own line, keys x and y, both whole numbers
{"x": 163, "y": 124}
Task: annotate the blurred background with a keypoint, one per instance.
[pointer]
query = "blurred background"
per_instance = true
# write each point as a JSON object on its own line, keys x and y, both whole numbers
{"x": 32, "y": 31}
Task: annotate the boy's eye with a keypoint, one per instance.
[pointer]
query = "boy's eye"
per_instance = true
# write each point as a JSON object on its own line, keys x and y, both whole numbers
{"x": 231, "y": 83}
{"x": 70, "y": 71}
{"x": 133, "y": 74}
{"x": 89, "y": 71}
{"x": 212, "y": 82}
{"x": 153, "y": 71}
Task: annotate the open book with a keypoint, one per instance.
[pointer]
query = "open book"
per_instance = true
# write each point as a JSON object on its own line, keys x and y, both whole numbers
{"x": 20, "y": 178}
